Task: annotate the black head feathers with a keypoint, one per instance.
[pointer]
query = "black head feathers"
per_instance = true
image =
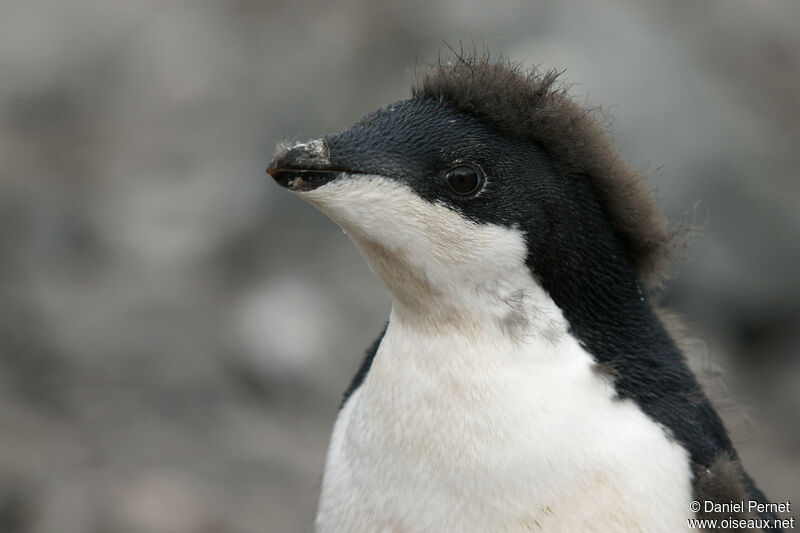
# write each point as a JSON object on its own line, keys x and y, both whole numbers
{"x": 533, "y": 106}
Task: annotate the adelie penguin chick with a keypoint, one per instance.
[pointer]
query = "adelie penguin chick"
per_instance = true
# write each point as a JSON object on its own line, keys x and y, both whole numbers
{"x": 523, "y": 381}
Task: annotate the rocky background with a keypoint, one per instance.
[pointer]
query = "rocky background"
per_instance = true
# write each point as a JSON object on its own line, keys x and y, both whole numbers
{"x": 175, "y": 330}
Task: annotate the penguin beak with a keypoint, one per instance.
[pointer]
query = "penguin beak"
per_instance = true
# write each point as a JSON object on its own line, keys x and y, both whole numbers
{"x": 304, "y": 167}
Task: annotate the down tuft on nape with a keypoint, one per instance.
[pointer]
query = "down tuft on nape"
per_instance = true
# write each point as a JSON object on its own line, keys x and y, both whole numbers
{"x": 533, "y": 105}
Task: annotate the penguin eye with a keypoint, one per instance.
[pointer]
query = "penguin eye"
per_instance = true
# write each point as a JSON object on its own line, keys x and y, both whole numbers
{"x": 464, "y": 180}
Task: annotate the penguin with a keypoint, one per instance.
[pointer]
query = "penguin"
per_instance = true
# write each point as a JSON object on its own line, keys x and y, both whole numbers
{"x": 524, "y": 380}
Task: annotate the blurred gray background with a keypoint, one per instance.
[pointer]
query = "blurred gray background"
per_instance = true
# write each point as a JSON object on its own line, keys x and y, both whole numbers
{"x": 176, "y": 330}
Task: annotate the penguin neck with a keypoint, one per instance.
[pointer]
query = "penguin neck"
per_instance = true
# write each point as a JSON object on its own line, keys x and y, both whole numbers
{"x": 514, "y": 310}
{"x": 610, "y": 313}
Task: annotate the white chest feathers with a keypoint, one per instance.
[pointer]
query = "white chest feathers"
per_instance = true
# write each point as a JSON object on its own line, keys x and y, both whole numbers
{"x": 484, "y": 434}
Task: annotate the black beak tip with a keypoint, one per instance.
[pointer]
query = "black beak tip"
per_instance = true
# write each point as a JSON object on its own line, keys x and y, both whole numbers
{"x": 300, "y": 169}
{"x": 288, "y": 179}
{"x": 304, "y": 167}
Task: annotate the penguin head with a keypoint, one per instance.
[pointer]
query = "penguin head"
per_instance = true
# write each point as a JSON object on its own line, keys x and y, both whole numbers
{"x": 489, "y": 177}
